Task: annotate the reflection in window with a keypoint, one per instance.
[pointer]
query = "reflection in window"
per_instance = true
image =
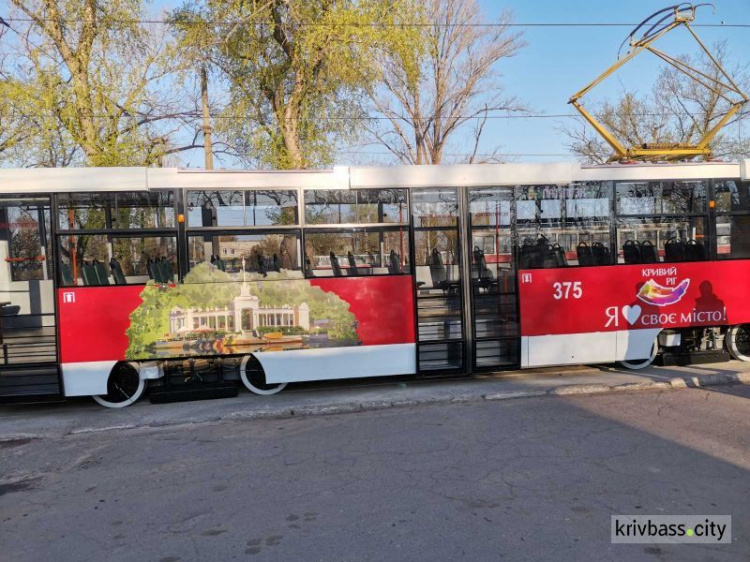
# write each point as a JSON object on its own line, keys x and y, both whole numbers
{"x": 434, "y": 207}
{"x": 337, "y": 254}
{"x": 138, "y": 210}
{"x": 356, "y": 206}
{"x": 253, "y": 253}
{"x": 733, "y": 236}
{"x": 732, "y": 196}
{"x": 134, "y": 254}
{"x": 563, "y": 225}
{"x": 93, "y": 260}
{"x": 83, "y": 211}
{"x": 143, "y": 210}
{"x": 642, "y": 240}
{"x": 242, "y": 208}
{"x": 26, "y": 228}
{"x": 490, "y": 206}
{"x": 666, "y": 197}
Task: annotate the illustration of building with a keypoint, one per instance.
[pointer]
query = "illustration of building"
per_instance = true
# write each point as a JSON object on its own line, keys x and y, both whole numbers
{"x": 244, "y": 315}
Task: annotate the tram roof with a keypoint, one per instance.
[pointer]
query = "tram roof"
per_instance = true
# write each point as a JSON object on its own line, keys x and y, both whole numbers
{"x": 49, "y": 180}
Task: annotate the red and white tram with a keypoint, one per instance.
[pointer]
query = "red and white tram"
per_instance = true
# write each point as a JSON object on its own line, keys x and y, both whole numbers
{"x": 113, "y": 281}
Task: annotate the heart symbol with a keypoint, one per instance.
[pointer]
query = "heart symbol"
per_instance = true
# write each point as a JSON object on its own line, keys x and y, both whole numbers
{"x": 631, "y": 313}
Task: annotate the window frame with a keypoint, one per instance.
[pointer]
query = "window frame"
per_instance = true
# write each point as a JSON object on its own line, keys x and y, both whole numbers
{"x": 566, "y": 225}
{"x": 112, "y": 233}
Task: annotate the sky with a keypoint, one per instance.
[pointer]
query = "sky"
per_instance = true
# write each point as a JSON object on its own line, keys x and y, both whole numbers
{"x": 558, "y": 61}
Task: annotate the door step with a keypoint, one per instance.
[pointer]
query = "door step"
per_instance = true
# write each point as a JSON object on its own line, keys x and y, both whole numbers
{"x": 193, "y": 391}
{"x": 30, "y": 383}
{"x": 670, "y": 359}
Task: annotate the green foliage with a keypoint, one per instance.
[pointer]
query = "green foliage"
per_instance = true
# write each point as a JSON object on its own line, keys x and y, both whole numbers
{"x": 92, "y": 81}
{"x": 208, "y": 288}
{"x": 294, "y": 68}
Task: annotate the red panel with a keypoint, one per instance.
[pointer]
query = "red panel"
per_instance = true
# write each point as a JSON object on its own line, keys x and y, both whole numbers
{"x": 598, "y": 299}
{"x": 93, "y": 321}
{"x": 384, "y": 306}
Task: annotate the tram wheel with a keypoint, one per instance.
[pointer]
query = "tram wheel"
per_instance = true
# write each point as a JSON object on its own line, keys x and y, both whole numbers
{"x": 124, "y": 387}
{"x": 642, "y": 363}
{"x": 738, "y": 342}
{"x": 254, "y": 378}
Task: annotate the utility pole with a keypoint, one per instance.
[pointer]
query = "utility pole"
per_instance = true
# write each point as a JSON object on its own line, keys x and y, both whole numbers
{"x": 207, "y": 146}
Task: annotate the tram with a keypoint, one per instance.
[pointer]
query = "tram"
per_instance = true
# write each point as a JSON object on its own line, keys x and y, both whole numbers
{"x": 191, "y": 283}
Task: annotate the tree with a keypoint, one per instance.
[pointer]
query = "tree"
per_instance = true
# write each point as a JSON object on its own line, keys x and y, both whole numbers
{"x": 294, "y": 69}
{"x": 676, "y": 110}
{"x": 430, "y": 93}
{"x": 95, "y": 82}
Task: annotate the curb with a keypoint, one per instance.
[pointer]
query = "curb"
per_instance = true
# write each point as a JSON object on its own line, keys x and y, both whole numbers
{"x": 676, "y": 383}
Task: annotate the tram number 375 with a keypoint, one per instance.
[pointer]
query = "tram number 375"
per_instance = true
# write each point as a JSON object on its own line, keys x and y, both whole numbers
{"x": 568, "y": 290}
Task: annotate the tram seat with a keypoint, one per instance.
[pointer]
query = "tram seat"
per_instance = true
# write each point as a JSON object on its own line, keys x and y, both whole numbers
{"x": 100, "y": 272}
{"x": 394, "y": 263}
{"x": 648, "y": 252}
{"x": 601, "y": 254}
{"x": 66, "y": 274}
{"x": 695, "y": 251}
{"x": 438, "y": 274}
{"x": 117, "y": 273}
{"x": 219, "y": 263}
{"x": 558, "y": 256}
{"x": 335, "y": 265}
{"x": 260, "y": 263}
{"x": 585, "y": 254}
{"x": 88, "y": 273}
{"x": 165, "y": 269}
{"x": 308, "y": 267}
{"x": 631, "y": 252}
{"x": 674, "y": 250}
{"x": 353, "y": 270}
{"x": 529, "y": 256}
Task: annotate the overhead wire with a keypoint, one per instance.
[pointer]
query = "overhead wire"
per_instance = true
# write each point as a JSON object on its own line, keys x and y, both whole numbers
{"x": 382, "y": 25}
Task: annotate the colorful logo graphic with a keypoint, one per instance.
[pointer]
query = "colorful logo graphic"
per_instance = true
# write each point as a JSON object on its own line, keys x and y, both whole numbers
{"x": 658, "y": 295}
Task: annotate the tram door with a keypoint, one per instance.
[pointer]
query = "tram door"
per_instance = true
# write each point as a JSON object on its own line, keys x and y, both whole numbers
{"x": 441, "y": 337}
{"x": 28, "y": 339}
{"x": 492, "y": 299}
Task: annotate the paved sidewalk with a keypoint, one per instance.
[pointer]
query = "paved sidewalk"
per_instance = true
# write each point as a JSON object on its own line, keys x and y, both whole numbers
{"x": 82, "y": 415}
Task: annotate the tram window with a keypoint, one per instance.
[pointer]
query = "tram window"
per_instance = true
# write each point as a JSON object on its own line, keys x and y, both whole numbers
{"x": 666, "y": 197}
{"x": 564, "y": 225}
{"x": 434, "y": 207}
{"x": 562, "y": 245}
{"x": 97, "y": 260}
{"x": 83, "y": 211}
{"x": 337, "y": 254}
{"x": 25, "y": 229}
{"x": 133, "y": 255}
{"x": 731, "y": 196}
{"x": 356, "y": 206}
{"x": 261, "y": 254}
{"x": 733, "y": 236}
{"x": 242, "y": 208}
{"x": 143, "y": 210}
{"x": 646, "y": 240}
{"x": 490, "y": 206}
{"x": 79, "y": 251}
{"x": 437, "y": 261}
{"x": 216, "y": 208}
{"x": 137, "y": 210}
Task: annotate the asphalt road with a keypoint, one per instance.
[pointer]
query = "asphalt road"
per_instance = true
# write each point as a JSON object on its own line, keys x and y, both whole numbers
{"x": 529, "y": 479}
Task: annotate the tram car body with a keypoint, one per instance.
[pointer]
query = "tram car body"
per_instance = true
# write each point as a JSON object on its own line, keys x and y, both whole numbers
{"x": 117, "y": 280}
